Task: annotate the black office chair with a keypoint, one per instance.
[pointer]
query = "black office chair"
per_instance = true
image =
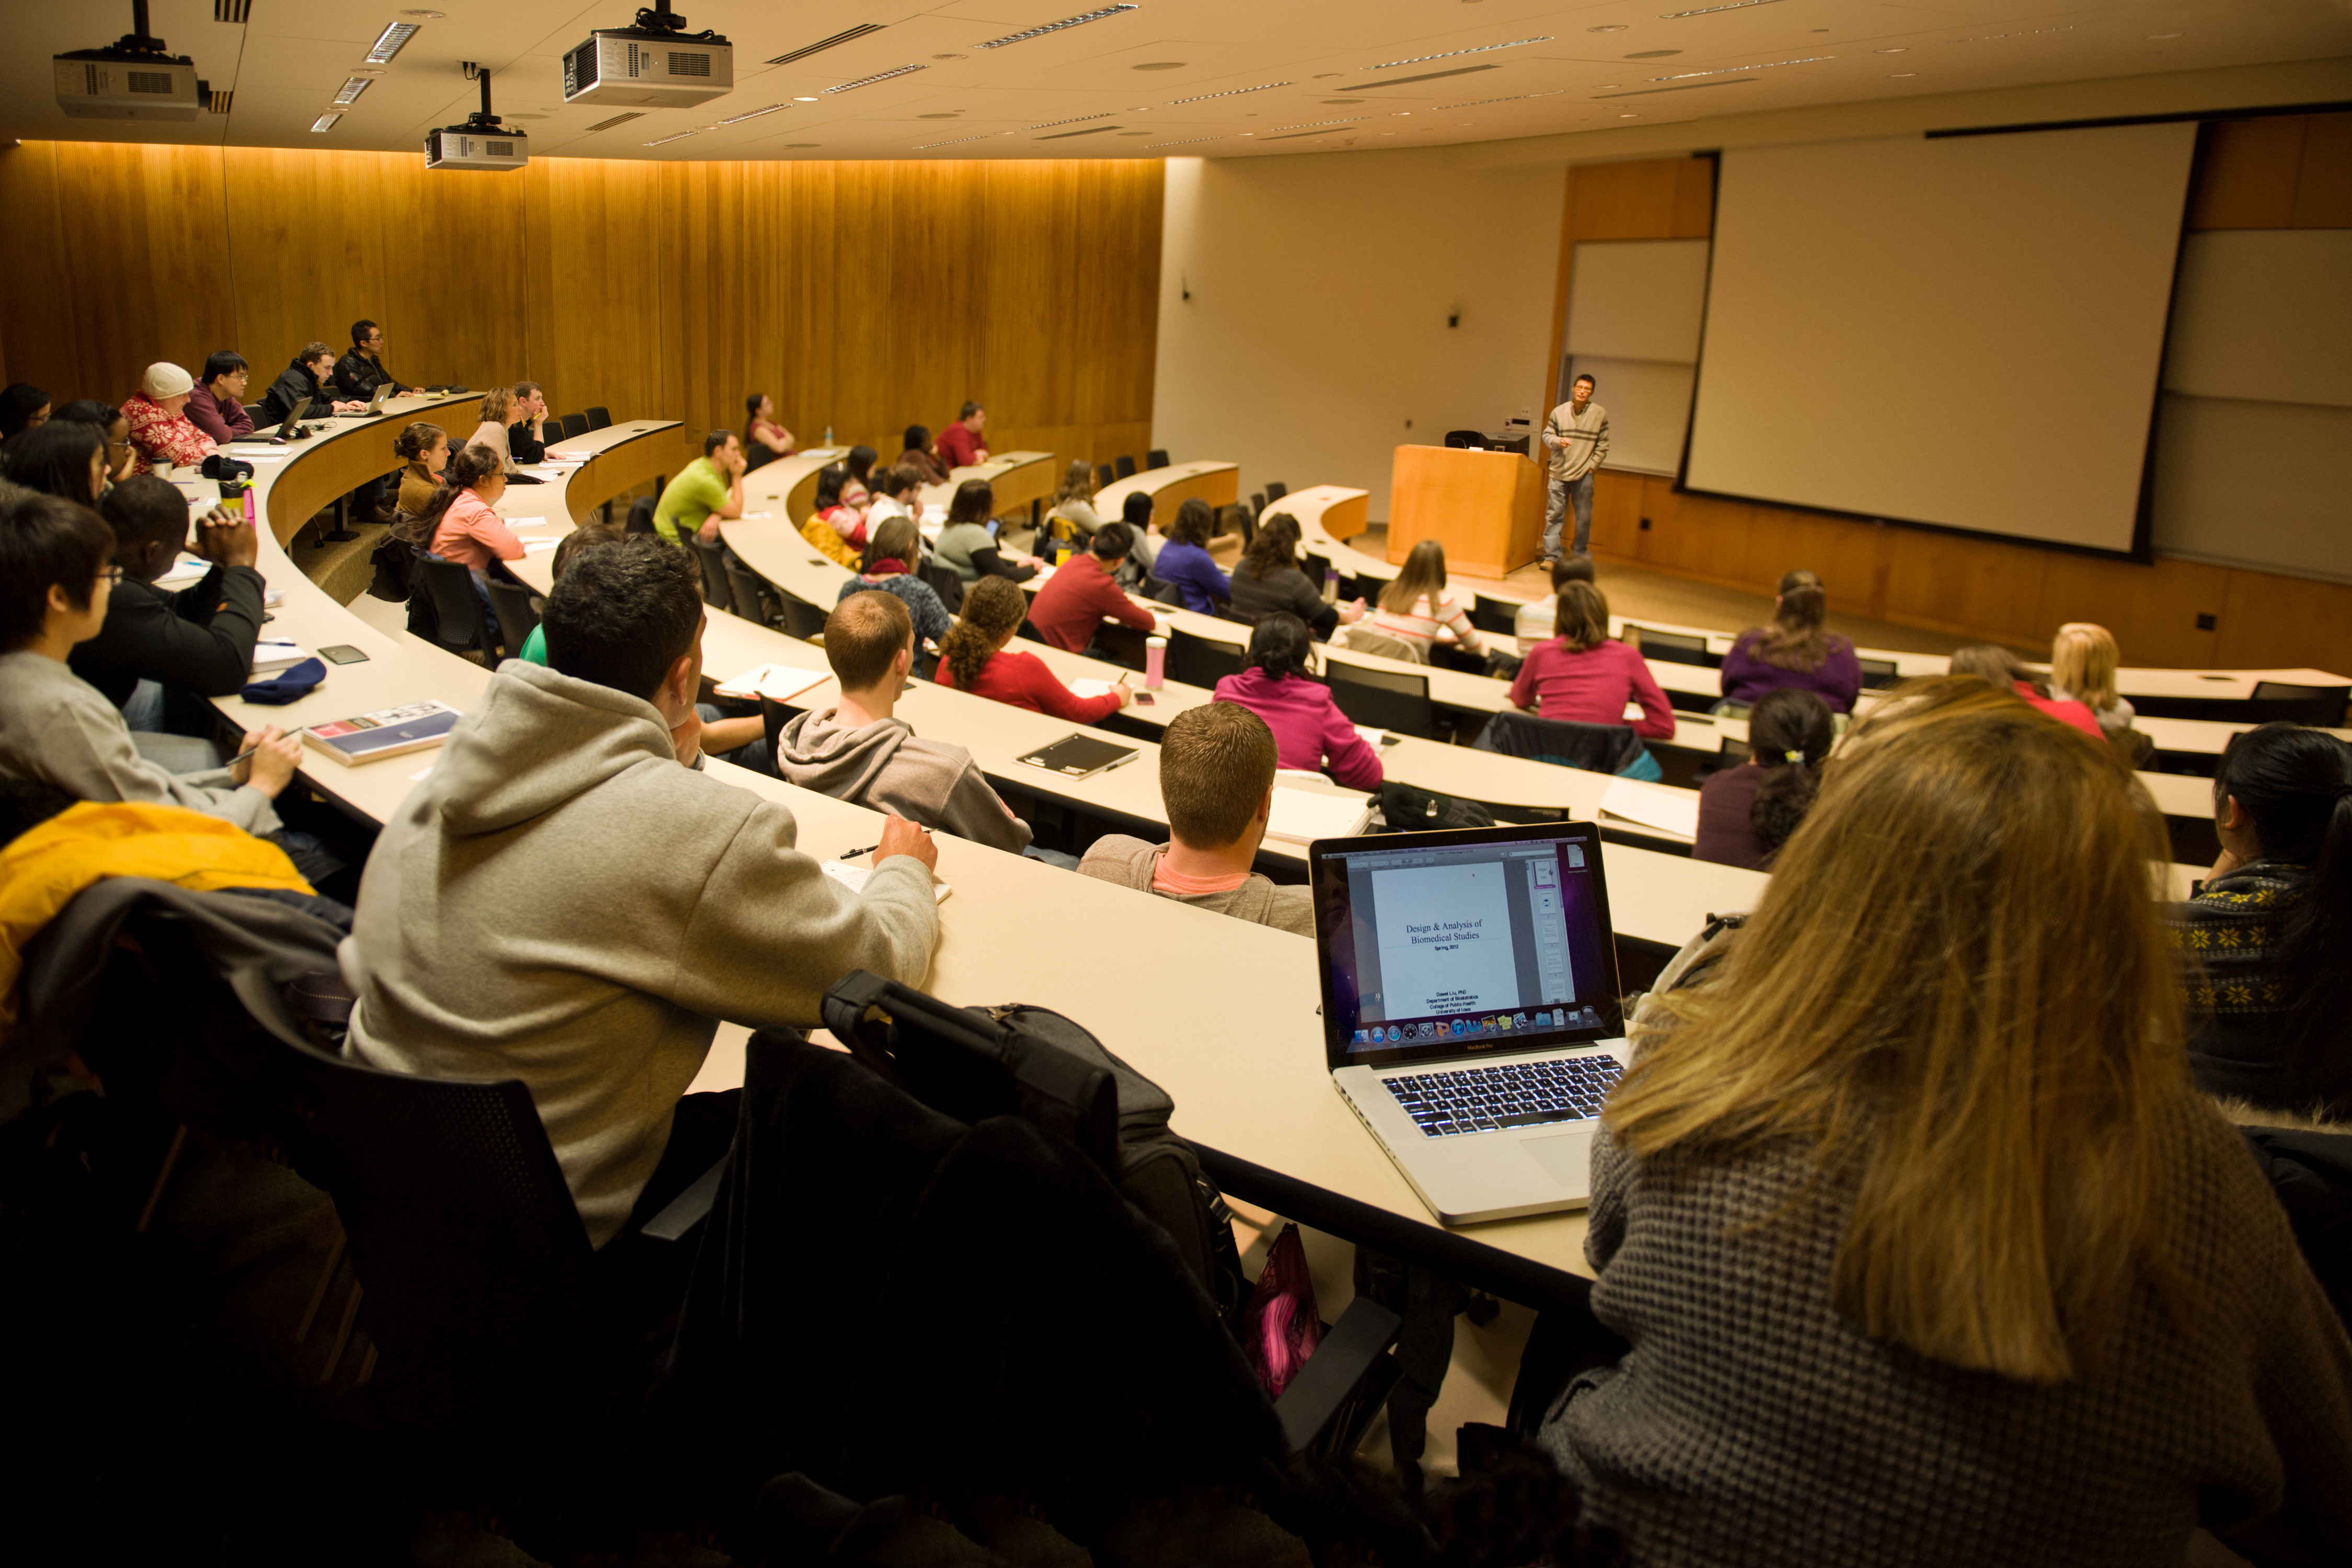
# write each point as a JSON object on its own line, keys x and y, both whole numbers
{"x": 712, "y": 558}
{"x": 1317, "y": 567}
{"x": 574, "y": 426}
{"x": 1466, "y": 440}
{"x": 2321, "y": 706}
{"x": 1673, "y": 647}
{"x": 1160, "y": 593}
{"x": 516, "y": 617}
{"x": 1877, "y": 674}
{"x": 1382, "y": 698}
{"x": 599, "y": 418}
{"x": 641, "y": 516}
{"x": 1595, "y": 748}
{"x": 1105, "y": 475}
{"x": 460, "y": 626}
{"x": 944, "y": 581}
{"x": 1274, "y": 491}
{"x": 1126, "y": 467}
{"x": 1500, "y": 616}
{"x": 754, "y": 599}
{"x": 1731, "y": 753}
{"x": 798, "y": 618}
{"x": 1155, "y": 458}
{"x": 1257, "y": 503}
{"x": 1201, "y": 661}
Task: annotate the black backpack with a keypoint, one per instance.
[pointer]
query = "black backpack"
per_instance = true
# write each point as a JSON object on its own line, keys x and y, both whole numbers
{"x": 972, "y": 1063}
{"x": 1404, "y": 809}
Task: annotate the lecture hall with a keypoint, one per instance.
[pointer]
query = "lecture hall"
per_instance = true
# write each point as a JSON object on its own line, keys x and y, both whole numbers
{"x": 1471, "y": 783}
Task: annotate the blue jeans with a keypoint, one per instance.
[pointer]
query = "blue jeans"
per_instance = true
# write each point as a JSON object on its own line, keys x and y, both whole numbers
{"x": 1562, "y": 494}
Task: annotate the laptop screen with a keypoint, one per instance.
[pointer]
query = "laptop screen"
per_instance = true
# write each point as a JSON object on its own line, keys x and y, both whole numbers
{"x": 1456, "y": 943}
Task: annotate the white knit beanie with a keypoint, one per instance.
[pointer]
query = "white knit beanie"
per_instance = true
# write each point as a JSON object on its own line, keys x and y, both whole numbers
{"x": 163, "y": 381}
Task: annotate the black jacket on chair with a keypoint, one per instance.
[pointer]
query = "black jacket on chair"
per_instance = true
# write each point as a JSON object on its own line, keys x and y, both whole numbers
{"x": 199, "y": 639}
{"x": 1596, "y": 748}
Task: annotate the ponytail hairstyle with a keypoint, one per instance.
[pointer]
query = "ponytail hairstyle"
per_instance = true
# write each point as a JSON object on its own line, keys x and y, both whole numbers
{"x": 1797, "y": 638}
{"x": 417, "y": 439}
{"x": 2083, "y": 660}
{"x": 2296, "y": 786}
{"x": 974, "y": 502}
{"x": 1580, "y": 617}
{"x": 992, "y": 607}
{"x": 1790, "y": 730}
{"x": 830, "y": 480}
{"x": 1273, "y": 546}
{"x": 467, "y": 469}
{"x": 1281, "y": 645}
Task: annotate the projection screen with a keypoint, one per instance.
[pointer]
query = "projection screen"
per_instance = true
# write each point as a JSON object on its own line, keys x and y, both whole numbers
{"x": 1963, "y": 332}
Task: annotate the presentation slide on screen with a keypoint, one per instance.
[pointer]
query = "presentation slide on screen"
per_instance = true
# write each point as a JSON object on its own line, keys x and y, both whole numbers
{"x": 1445, "y": 939}
{"x": 1963, "y": 330}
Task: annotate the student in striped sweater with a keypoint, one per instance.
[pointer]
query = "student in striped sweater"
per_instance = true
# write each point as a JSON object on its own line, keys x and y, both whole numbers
{"x": 1415, "y": 607}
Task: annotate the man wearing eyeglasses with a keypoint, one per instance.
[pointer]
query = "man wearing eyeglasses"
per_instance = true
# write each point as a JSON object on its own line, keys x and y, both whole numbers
{"x": 217, "y": 405}
{"x": 359, "y": 373}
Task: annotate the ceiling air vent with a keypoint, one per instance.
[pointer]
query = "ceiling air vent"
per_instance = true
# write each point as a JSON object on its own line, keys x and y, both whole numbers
{"x": 859, "y": 31}
{"x": 219, "y": 102}
{"x": 234, "y": 11}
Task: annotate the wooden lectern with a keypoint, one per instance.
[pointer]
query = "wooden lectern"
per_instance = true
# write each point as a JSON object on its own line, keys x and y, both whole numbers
{"x": 1485, "y": 508}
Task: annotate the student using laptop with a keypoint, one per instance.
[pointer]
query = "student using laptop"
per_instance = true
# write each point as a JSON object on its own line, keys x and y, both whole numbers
{"x": 1216, "y": 783}
{"x": 859, "y": 750}
{"x": 1927, "y": 1248}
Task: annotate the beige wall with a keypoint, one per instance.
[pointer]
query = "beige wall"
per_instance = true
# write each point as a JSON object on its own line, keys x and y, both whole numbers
{"x": 1316, "y": 338}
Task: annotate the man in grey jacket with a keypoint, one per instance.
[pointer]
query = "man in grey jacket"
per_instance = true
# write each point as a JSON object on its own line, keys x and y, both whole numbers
{"x": 567, "y": 899}
{"x": 858, "y": 750}
{"x": 1577, "y": 434}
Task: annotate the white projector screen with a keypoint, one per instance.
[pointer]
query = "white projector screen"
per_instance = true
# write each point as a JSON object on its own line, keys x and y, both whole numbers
{"x": 1963, "y": 332}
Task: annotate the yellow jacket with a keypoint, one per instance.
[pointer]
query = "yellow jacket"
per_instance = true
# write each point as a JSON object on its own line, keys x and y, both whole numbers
{"x": 827, "y": 538}
{"x": 43, "y": 869}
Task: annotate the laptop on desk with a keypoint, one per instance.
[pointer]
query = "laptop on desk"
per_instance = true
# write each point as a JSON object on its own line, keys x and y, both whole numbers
{"x": 1471, "y": 1015}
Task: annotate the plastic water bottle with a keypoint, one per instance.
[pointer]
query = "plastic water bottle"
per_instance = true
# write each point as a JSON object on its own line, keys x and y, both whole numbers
{"x": 252, "y": 507}
{"x": 828, "y": 434}
{"x": 1331, "y": 584}
{"x": 1155, "y": 662}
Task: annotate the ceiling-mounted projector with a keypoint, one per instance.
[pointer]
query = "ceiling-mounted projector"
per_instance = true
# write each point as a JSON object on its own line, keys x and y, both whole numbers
{"x": 479, "y": 143}
{"x": 656, "y": 64}
{"x": 133, "y": 80}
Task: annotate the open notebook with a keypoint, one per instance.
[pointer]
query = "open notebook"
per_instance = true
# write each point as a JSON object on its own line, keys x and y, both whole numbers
{"x": 1301, "y": 816}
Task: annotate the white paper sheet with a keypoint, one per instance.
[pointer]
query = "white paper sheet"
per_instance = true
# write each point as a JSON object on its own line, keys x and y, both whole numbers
{"x": 1676, "y": 811}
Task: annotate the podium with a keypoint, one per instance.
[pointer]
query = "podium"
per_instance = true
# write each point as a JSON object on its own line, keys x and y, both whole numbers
{"x": 1485, "y": 508}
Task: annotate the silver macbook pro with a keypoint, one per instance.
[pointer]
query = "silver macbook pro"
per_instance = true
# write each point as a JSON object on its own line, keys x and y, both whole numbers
{"x": 1470, "y": 1007}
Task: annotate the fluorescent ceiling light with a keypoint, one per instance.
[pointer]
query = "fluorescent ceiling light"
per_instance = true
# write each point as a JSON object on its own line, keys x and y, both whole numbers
{"x": 1514, "y": 98}
{"x": 1994, "y": 37}
{"x": 1737, "y": 70}
{"x": 1229, "y": 93}
{"x": 1313, "y": 124}
{"x": 1711, "y": 10}
{"x": 352, "y": 87}
{"x": 1186, "y": 142}
{"x": 879, "y": 75}
{"x": 389, "y": 42}
{"x": 952, "y": 141}
{"x": 1077, "y": 119}
{"x": 1024, "y": 36}
{"x": 327, "y": 122}
{"x": 667, "y": 139}
{"x": 859, "y": 31}
{"x": 1483, "y": 48}
{"x": 752, "y": 115}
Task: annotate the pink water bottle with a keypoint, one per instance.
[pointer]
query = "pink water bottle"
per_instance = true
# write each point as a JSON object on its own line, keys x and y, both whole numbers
{"x": 1155, "y": 662}
{"x": 252, "y": 507}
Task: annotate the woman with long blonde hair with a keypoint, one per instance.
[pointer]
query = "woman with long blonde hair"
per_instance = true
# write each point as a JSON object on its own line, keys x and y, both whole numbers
{"x": 1926, "y": 1249}
{"x": 2083, "y": 660}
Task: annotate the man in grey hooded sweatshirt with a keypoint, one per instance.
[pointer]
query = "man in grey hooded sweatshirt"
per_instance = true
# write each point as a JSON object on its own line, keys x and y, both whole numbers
{"x": 859, "y": 751}
{"x": 567, "y": 899}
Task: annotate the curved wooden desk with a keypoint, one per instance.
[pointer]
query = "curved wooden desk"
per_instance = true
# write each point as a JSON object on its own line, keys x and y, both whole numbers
{"x": 1218, "y": 483}
{"x": 1017, "y": 479}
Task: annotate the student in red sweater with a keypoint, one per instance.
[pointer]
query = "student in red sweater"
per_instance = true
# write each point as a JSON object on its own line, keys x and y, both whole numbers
{"x": 1072, "y": 606}
{"x": 1582, "y": 677}
{"x": 2003, "y": 667}
{"x": 974, "y": 659}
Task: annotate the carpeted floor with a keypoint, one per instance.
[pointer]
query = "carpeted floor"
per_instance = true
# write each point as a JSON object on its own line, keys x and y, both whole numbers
{"x": 1639, "y": 591}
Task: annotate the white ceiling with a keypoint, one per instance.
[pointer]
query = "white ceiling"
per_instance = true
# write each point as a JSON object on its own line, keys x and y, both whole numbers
{"x": 290, "y": 58}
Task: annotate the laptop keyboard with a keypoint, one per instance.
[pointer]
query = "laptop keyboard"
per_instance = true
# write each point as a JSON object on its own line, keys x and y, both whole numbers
{"x": 1507, "y": 1095}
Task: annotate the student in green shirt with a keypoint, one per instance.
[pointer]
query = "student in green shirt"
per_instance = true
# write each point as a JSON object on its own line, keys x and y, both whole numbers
{"x": 707, "y": 490}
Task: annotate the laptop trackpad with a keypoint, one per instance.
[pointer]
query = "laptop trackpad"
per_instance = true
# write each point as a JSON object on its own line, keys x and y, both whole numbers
{"x": 1566, "y": 1157}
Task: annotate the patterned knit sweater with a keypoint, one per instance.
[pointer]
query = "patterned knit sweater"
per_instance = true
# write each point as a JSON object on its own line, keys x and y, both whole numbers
{"x": 2238, "y": 1012}
{"x": 1751, "y": 1425}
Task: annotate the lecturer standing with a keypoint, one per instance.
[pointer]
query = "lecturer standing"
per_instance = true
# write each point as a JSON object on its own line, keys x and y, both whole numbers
{"x": 1577, "y": 434}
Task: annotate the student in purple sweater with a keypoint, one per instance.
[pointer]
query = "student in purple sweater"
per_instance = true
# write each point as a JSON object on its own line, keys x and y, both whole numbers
{"x": 1309, "y": 731}
{"x": 1796, "y": 650}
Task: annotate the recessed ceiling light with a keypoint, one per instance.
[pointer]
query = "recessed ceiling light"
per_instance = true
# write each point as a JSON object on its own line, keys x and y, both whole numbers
{"x": 426, "y": 16}
{"x": 352, "y": 88}
{"x": 365, "y": 70}
{"x": 2153, "y": 37}
{"x": 1160, "y": 66}
{"x": 877, "y": 76}
{"x": 1628, "y": 116}
{"x": 1326, "y": 76}
{"x": 1897, "y": 50}
{"x": 1188, "y": 141}
{"x": 1028, "y": 33}
{"x": 1734, "y": 70}
{"x": 952, "y": 141}
{"x": 1317, "y": 124}
{"x": 1653, "y": 54}
{"x": 1611, "y": 27}
{"x": 1514, "y": 98}
{"x": 804, "y": 101}
{"x": 951, "y": 57}
{"x": 1449, "y": 53}
{"x": 1996, "y": 37}
{"x": 1229, "y": 93}
{"x": 389, "y": 42}
{"x": 1402, "y": 114}
{"x": 1074, "y": 120}
{"x": 327, "y": 122}
{"x": 1606, "y": 87}
{"x": 950, "y": 114}
{"x": 753, "y": 114}
{"x": 1900, "y": 75}
{"x": 1343, "y": 102}
{"x": 1711, "y": 10}
{"x": 667, "y": 139}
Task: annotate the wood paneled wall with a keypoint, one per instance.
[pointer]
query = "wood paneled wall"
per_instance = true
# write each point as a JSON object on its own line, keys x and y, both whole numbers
{"x": 2286, "y": 171}
{"x": 868, "y": 296}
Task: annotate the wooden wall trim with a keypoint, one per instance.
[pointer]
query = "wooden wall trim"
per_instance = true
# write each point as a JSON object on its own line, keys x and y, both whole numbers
{"x": 869, "y": 296}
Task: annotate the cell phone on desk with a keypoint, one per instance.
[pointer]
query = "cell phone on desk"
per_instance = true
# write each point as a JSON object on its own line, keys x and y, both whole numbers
{"x": 342, "y": 653}
{"x": 1145, "y": 699}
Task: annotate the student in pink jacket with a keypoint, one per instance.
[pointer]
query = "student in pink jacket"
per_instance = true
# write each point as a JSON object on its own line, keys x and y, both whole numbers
{"x": 1309, "y": 731}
